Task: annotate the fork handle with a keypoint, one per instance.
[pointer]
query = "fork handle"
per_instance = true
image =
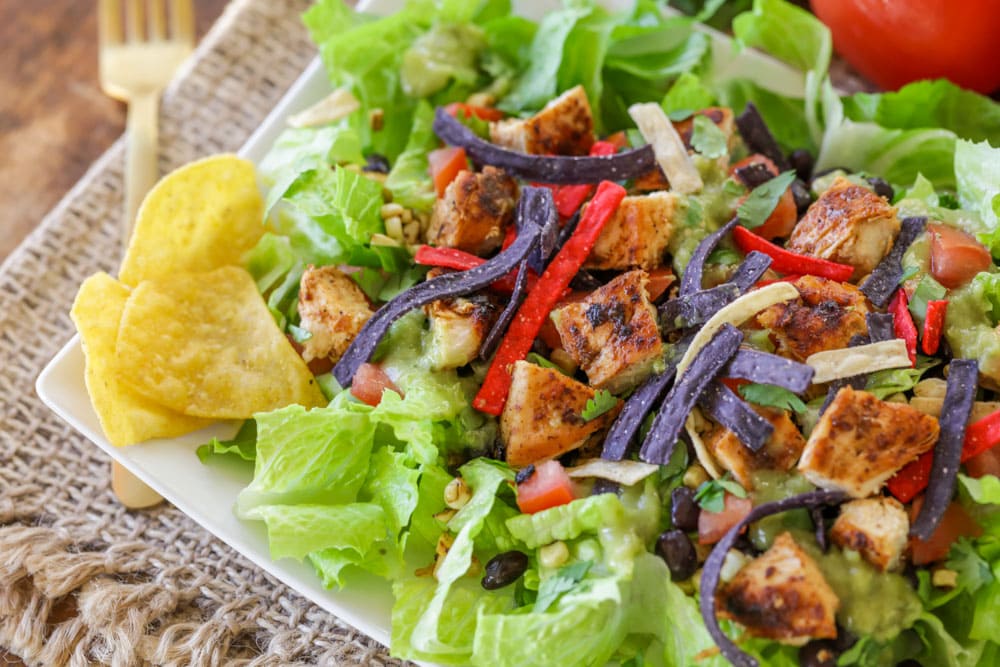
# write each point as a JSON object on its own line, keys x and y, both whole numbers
{"x": 141, "y": 170}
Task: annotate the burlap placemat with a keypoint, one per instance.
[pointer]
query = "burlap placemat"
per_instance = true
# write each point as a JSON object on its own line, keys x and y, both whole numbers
{"x": 82, "y": 581}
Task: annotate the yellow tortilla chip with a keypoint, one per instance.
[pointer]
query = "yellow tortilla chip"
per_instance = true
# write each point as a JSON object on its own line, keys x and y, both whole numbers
{"x": 126, "y": 417}
{"x": 202, "y": 216}
{"x": 205, "y": 344}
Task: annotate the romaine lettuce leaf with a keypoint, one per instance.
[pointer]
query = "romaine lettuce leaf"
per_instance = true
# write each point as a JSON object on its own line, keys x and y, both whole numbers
{"x": 295, "y": 531}
{"x": 977, "y": 172}
{"x": 409, "y": 179}
{"x": 768, "y": 27}
{"x": 566, "y": 522}
{"x": 243, "y": 445}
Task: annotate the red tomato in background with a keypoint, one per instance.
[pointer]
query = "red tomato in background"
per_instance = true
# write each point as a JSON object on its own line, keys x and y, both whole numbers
{"x": 782, "y": 220}
{"x": 549, "y": 486}
{"x": 369, "y": 382}
{"x": 713, "y": 525}
{"x": 987, "y": 463}
{"x": 895, "y": 42}
{"x": 956, "y": 257}
{"x": 445, "y": 163}
{"x": 955, "y": 523}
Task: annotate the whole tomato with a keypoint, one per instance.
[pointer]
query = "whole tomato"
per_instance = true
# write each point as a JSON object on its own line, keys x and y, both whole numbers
{"x": 893, "y": 42}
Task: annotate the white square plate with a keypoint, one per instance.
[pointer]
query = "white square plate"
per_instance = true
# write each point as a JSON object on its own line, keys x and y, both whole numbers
{"x": 207, "y": 493}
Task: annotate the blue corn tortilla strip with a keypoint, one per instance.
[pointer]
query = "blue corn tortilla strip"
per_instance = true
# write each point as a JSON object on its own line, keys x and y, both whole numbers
{"x": 447, "y": 285}
{"x": 691, "y": 280}
{"x": 558, "y": 169}
{"x": 750, "y": 270}
{"x": 687, "y": 311}
{"x": 758, "y": 137}
{"x": 963, "y": 375}
{"x": 882, "y": 282}
{"x": 881, "y": 326}
{"x": 712, "y": 572}
{"x": 819, "y": 525}
{"x": 856, "y": 382}
{"x": 731, "y": 411}
{"x": 492, "y": 339}
{"x": 662, "y": 437}
{"x": 638, "y": 405}
{"x": 768, "y": 368}
{"x": 538, "y": 208}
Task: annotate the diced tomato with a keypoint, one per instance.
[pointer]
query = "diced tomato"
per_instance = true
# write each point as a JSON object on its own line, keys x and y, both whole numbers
{"x": 469, "y": 110}
{"x": 987, "y": 463}
{"x": 782, "y": 220}
{"x": 955, "y": 523}
{"x": 445, "y": 163}
{"x": 712, "y": 526}
{"x": 619, "y": 140}
{"x": 956, "y": 257}
{"x": 549, "y": 486}
{"x": 659, "y": 280}
{"x": 369, "y": 382}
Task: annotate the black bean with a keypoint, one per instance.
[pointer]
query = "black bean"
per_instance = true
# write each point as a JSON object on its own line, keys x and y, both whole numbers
{"x": 376, "y": 163}
{"x": 800, "y": 193}
{"x": 504, "y": 569}
{"x": 675, "y": 547}
{"x": 684, "y": 510}
{"x": 605, "y": 486}
{"x": 524, "y": 473}
{"x": 753, "y": 175}
{"x": 881, "y": 187}
{"x": 802, "y": 162}
{"x": 819, "y": 653}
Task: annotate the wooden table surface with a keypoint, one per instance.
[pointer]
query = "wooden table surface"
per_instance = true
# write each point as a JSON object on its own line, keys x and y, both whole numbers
{"x": 54, "y": 119}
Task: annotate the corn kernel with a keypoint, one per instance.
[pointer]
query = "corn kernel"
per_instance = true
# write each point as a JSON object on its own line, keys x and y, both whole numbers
{"x": 695, "y": 476}
{"x": 553, "y": 555}
{"x": 457, "y": 494}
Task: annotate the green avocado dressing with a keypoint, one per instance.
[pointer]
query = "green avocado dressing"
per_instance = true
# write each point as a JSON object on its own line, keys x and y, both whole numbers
{"x": 881, "y": 604}
{"x": 704, "y": 212}
{"x": 969, "y": 331}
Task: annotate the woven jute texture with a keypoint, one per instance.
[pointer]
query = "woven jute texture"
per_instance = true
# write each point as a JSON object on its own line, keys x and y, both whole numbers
{"x": 83, "y": 581}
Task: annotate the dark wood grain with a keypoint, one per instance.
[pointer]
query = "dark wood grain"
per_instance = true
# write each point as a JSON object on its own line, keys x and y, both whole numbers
{"x": 54, "y": 119}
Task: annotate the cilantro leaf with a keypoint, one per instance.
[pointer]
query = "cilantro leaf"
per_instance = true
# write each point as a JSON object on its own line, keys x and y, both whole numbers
{"x": 711, "y": 495}
{"x": 707, "y": 138}
{"x": 602, "y": 402}
{"x": 763, "y": 199}
{"x": 561, "y": 582}
{"x": 973, "y": 571}
{"x": 772, "y": 396}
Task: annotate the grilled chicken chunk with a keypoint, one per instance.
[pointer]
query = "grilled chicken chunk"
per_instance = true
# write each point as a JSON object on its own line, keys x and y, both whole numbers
{"x": 474, "y": 211}
{"x": 612, "y": 334}
{"x": 332, "y": 308}
{"x": 781, "y": 452}
{"x": 637, "y": 234}
{"x": 781, "y": 595}
{"x": 860, "y": 442}
{"x": 457, "y": 328}
{"x": 877, "y": 528}
{"x": 564, "y": 127}
{"x": 543, "y": 415}
{"x": 825, "y": 317}
{"x": 849, "y": 224}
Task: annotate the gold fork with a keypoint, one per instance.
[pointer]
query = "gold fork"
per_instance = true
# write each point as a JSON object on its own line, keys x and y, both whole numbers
{"x": 141, "y": 46}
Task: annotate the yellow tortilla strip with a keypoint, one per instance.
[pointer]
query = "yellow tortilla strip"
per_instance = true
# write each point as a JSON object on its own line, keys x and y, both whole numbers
{"x": 850, "y": 361}
{"x": 125, "y": 416}
{"x": 202, "y": 216}
{"x": 205, "y": 344}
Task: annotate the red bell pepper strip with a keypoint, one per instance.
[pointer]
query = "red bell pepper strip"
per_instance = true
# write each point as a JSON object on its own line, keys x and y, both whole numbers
{"x": 786, "y": 261}
{"x": 934, "y": 325}
{"x": 542, "y": 299}
{"x": 448, "y": 258}
{"x": 569, "y": 198}
{"x": 902, "y": 323}
{"x": 980, "y": 436}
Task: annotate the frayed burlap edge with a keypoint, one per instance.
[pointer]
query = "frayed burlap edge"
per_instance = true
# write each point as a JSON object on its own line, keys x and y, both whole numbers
{"x": 82, "y": 581}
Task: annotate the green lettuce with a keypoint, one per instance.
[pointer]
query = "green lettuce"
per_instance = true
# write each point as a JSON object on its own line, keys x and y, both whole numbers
{"x": 977, "y": 171}
{"x": 566, "y": 522}
{"x": 242, "y": 446}
{"x": 409, "y": 179}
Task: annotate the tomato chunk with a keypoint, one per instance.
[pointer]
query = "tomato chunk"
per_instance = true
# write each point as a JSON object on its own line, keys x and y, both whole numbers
{"x": 782, "y": 220}
{"x": 549, "y": 486}
{"x": 987, "y": 463}
{"x": 369, "y": 383}
{"x": 470, "y": 110}
{"x": 712, "y": 526}
{"x": 956, "y": 257}
{"x": 955, "y": 523}
{"x": 445, "y": 163}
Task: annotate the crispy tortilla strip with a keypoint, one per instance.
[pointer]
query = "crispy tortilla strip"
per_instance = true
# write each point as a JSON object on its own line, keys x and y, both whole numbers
{"x": 851, "y": 361}
{"x": 205, "y": 344}
{"x": 202, "y": 216}
{"x": 126, "y": 416}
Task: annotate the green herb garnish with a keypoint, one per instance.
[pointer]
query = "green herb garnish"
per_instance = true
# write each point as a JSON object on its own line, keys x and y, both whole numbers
{"x": 772, "y": 396}
{"x": 763, "y": 199}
